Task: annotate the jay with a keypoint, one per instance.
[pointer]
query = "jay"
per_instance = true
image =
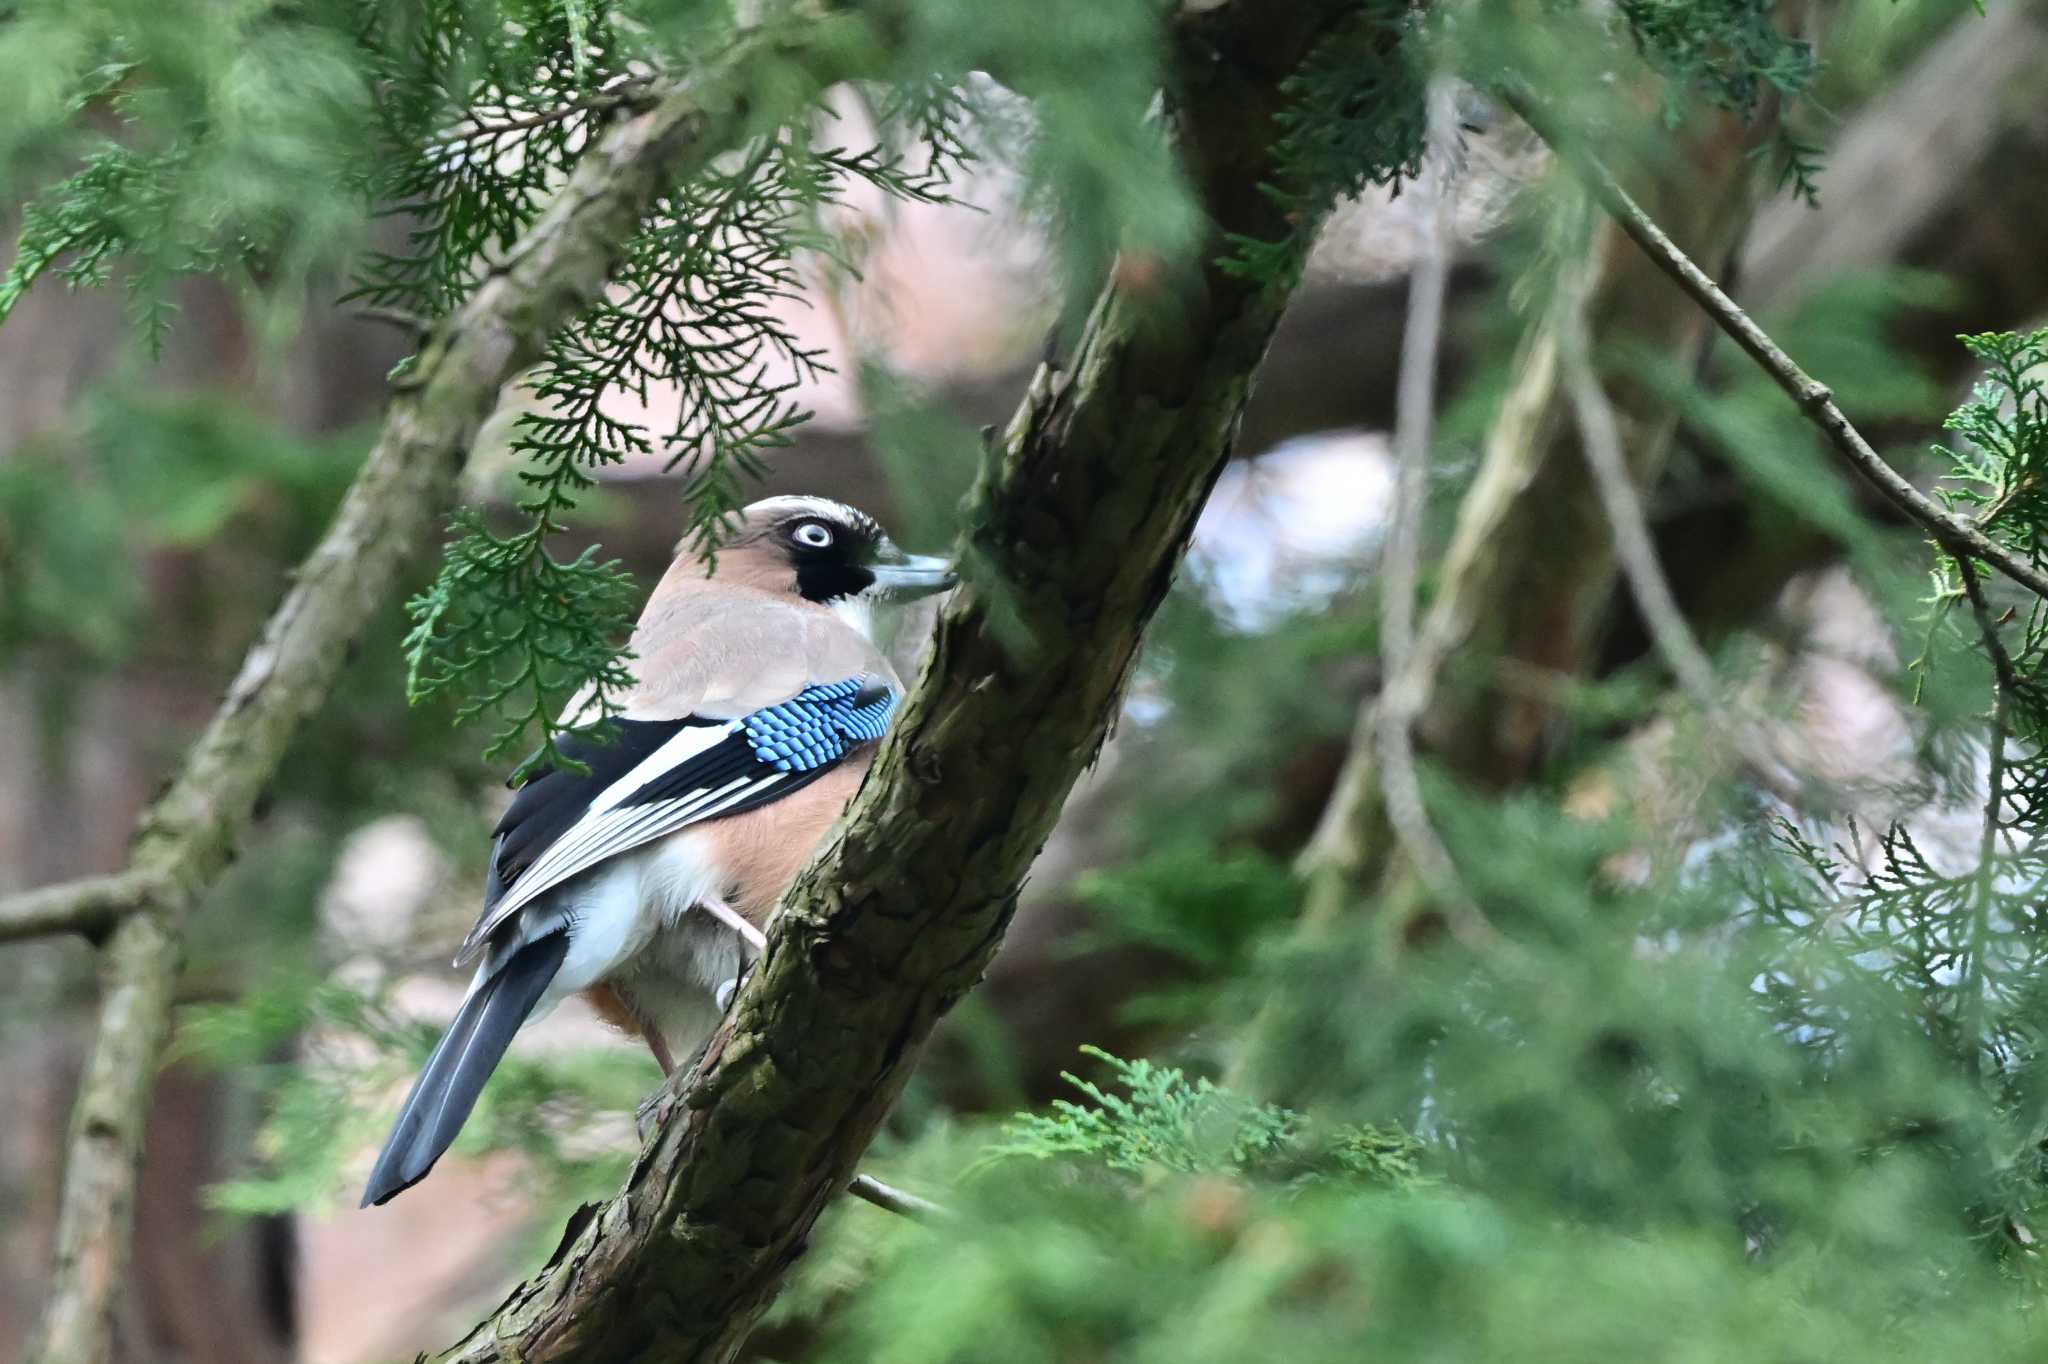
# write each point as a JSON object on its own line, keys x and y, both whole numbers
{"x": 645, "y": 884}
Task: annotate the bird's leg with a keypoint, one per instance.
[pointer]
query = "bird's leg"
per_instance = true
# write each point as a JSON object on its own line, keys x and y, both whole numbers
{"x": 654, "y": 1108}
{"x": 658, "y": 1044}
{"x": 750, "y": 935}
{"x": 733, "y": 919}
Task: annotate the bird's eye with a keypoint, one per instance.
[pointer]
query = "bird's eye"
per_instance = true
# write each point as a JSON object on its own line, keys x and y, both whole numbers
{"x": 812, "y": 534}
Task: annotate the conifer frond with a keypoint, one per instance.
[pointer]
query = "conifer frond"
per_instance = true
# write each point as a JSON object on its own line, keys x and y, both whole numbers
{"x": 2000, "y": 472}
{"x": 114, "y": 206}
{"x": 1732, "y": 52}
{"x": 1354, "y": 118}
{"x": 481, "y": 111}
{"x": 1163, "y": 1120}
{"x": 1728, "y": 49}
{"x": 699, "y": 307}
{"x": 517, "y": 633}
{"x": 1956, "y": 925}
{"x": 224, "y": 157}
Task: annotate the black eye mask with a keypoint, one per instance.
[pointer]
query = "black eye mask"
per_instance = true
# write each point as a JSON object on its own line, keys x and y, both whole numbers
{"x": 826, "y": 575}
{"x": 831, "y": 572}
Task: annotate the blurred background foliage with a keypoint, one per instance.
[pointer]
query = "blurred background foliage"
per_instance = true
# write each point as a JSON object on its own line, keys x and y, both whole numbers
{"x": 1754, "y": 1068}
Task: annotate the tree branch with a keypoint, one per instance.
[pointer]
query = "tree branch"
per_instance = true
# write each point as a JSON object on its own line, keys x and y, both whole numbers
{"x": 1600, "y": 442}
{"x": 1073, "y": 538}
{"x": 1952, "y": 533}
{"x": 892, "y": 1199}
{"x": 90, "y": 906}
{"x": 1409, "y": 671}
{"x": 187, "y": 838}
{"x": 1506, "y": 605}
{"x": 1504, "y": 601}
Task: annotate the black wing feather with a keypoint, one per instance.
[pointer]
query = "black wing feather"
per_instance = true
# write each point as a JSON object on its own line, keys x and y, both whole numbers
{"x": 554, "y": 798}
{"x": 551, "y": 803}
{"x": 722, "y": 764}
{"x": 465, "y": 1057}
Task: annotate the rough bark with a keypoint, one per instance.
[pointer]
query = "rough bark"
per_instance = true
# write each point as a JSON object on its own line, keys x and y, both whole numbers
{"x": 1074, "y": 535}
{"x": 189, "y": 835}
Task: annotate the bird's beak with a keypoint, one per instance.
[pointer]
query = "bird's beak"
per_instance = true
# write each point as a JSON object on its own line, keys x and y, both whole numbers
{"x": 905, "y": 577}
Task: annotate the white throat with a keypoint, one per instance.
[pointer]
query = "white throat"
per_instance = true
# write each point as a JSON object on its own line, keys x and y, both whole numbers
{"x": 859, "y": 613}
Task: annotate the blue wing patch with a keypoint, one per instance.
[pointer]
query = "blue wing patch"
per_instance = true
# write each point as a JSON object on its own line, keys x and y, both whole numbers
{"x": 818, "y": 724}
{"x": 560, "y": 823}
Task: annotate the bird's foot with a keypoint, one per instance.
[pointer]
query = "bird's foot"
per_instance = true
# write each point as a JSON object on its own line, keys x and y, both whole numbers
{"x": 723, "y": 995}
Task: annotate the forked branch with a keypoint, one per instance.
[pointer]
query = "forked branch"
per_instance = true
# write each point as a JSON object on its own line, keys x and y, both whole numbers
{"x": 91, "y": 906}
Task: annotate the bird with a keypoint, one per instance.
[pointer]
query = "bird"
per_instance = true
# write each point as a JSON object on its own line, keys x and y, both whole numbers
{"x": 646, "y": 882}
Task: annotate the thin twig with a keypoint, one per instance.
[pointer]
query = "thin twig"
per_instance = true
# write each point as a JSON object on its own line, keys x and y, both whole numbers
{"x": 91, "y": 906}
{"x": 2005, "y": 685}
{"x": 2001, "y": 661}
{"x": 409, "y": 322}
{"x": 892, "y": 1199}
{"x": 1600, "y": 441}
{"x": 1406, "y": 690}
{"x": 1952, "y": 533}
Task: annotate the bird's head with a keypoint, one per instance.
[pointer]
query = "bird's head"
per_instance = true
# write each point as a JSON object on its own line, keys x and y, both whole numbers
{"x": 825, "y": 552}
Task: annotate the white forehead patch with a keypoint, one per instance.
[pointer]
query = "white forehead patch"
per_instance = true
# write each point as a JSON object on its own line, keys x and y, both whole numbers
{"x": 770, "y": 509}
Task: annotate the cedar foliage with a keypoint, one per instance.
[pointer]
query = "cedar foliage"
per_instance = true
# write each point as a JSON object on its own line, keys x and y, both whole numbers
{"x": 1780, "y": 1097}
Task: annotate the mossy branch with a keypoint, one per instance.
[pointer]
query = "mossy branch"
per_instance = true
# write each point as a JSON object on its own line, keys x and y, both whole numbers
{"x": 90, "y": 906}
{"x": 188, "y": 837}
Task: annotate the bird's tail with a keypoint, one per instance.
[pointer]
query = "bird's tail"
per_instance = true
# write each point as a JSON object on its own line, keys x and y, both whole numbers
{"x": 463, "y": 1059}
